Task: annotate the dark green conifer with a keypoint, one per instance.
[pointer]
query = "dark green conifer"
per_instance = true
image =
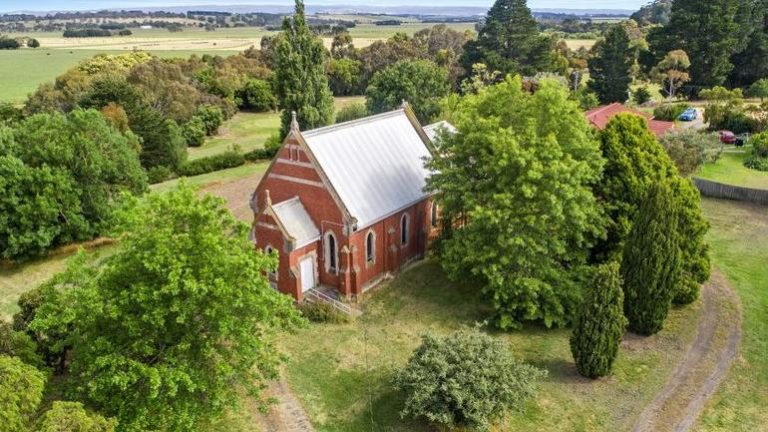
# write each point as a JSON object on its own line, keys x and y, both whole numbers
{"x": 599, "y": 324}
{"x": 650, "y": 266}
{"x": 610, "y": 70}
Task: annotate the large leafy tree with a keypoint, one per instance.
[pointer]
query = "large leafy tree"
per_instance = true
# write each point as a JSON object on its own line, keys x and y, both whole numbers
{"x": 421, "y": 83}
{"x": 650, "y": 265}
{"x": 707, "y": 31}
{"x": 672, "y": 72}
{"x": 510, "y": 42}
{"x": 174, "y": 327}
{"x": 61, "y": 176}
{"x": 518, "y": 176}
{"x": 301, "y": 83}
{"x": 611, "y": 67}
{"x": 21, "y": 390}
{"x": 466, "y": 379}
{"x": 600, "y": 324}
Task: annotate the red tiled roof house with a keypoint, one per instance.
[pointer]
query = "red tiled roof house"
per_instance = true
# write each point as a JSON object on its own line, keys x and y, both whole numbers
{"x": 600, "y": 116}
{"x": 344, "y": 205}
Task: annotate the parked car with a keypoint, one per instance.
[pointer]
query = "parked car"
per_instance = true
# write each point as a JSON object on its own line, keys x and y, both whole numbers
{"x": 689, "y": 115}
{"x": 727, "y": 137}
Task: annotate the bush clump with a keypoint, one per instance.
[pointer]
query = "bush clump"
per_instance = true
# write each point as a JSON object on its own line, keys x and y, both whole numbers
{"x": 158, "y": 174}
{"x": 229, "y": 159}
{"x": 758, "y": 159}
{"x": 323, "y": 313}
{"x": 351, "y": 112}
{"x": 194, "y": 132}
{"x": 669, "y": 112}
{"x": 466, "y": 379}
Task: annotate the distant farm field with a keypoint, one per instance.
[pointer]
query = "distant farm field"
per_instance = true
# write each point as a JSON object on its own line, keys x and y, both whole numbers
{"x": 575, "y": 44}
{"x": 24, "y": 70}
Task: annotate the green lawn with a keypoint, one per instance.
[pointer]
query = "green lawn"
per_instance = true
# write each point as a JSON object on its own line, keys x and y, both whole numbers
{"x": 739, "y": 244}
{"x": 24, "y": 70}
{"x": 730, "y": 169}
{"x": 342, "y": 373}
{"x": 247, "y": 130}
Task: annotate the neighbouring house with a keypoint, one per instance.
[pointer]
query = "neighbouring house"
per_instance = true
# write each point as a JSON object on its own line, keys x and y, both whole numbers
{"x": 344, "y": 205}
{"x": 600, "y": 116}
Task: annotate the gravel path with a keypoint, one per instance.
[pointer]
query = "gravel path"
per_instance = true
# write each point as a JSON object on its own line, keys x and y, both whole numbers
{"x": 287, "y": 415}
{"x": 705, "y": 365}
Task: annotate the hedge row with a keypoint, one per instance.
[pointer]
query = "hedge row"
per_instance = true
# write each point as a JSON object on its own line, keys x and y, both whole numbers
{"x": 228, "y": 159}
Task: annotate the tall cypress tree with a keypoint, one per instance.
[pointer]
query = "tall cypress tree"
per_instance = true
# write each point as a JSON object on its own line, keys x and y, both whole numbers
{"x": 510, "y": 42}
{"x": 708, "y": 31}
{"x": 600, "y": 324}
{"x": 302, "y": 85}
{"x": 610, "y": 70}
{"x": 651, "y": 263}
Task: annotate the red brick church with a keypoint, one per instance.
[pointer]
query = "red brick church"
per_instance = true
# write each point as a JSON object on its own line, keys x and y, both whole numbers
{"x": 344, "y": 205}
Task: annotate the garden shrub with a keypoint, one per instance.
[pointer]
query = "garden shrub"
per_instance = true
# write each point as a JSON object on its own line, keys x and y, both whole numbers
{"x": 158, "y": 174}
{"x": 194, "y": 132}
{"x": 466, "y": 379}
{"x": 212, "y": 118}
{"x": 256, "y": 95}
{"x": 323, "y": 313}
{"x": 690, "y": 149}
{"x": 641, "y": 96}
{"x": 260, "y": 154}
{"x": 669, "y": 112}
{"x": 758, "y": 159}
{"x": 229, "y": 159}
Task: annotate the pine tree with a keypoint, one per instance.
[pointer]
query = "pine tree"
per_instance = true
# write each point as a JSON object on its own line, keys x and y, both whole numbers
{"x": 301, "y": 83}
{"x": 510, "y": 42}
{"x": 751, "y": 62}
{"x": 611, "y": 68}
{"x": 600, "y": 324}
{"x": 651, "y": 263}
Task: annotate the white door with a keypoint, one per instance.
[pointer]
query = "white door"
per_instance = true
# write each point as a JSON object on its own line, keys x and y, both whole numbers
{"x": 307, "y": 266}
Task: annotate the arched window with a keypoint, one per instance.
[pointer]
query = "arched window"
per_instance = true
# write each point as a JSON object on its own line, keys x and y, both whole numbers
{"x": 433, "y": 219}
{"x": 370, "y": 247}
{"x": 331, "y": 253}
{"x": 404, "y": 234}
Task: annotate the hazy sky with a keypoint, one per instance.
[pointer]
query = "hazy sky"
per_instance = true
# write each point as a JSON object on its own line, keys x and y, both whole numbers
{"x": 45, "y": 5}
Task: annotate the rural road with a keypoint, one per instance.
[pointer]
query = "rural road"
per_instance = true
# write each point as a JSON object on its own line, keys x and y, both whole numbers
{"x": 706, "y": 363}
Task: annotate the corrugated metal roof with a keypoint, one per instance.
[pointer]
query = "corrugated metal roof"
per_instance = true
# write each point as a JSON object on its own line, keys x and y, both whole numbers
{"x": 375, "y": 164}
{"x": 432, "y": 130}
{"x": 294, "y": 217}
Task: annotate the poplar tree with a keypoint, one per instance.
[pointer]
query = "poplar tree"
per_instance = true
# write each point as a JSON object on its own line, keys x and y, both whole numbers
{"x": 301, "y": 82}
{"x": 600, "y": 324}
{"x": 651, "y": 263}
{"x": 611, "y": 68}
{"x": 510, "y": 42}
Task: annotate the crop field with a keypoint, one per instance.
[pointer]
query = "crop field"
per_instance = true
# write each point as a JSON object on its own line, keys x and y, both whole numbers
{"x": 24, "y": 70}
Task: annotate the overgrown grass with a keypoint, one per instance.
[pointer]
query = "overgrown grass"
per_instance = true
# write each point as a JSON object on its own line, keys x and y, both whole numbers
{"x": 342, "y": 373}
{"x": 730, "y": 169}
{"x": 739, "y": 244}
{"x": 223, "y": 176}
